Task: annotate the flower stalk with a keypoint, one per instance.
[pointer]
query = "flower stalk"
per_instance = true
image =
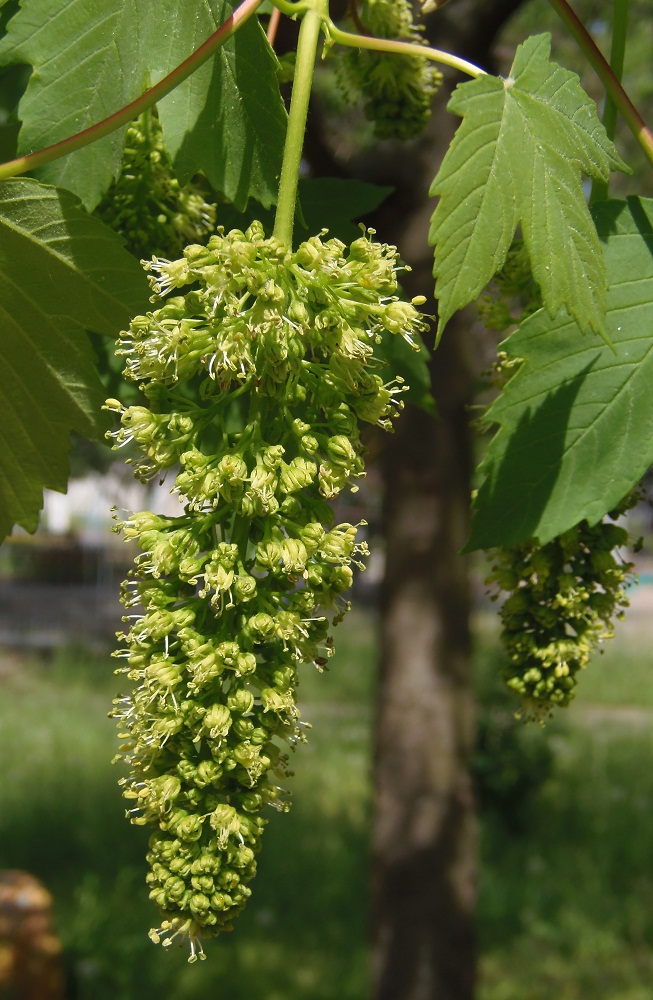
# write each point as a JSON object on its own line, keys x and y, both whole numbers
{"x": 309, "y": 35}
{"x": 353, "y": 40}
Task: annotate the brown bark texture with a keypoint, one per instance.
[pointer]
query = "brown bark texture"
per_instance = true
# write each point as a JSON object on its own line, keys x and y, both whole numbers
{"x": 424, "y": 843}
{"x": 424, "y": 826}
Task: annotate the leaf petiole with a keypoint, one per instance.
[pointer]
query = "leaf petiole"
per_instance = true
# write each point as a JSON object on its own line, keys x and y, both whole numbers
{"x": 600, "y": 188}
{"x": 401, "y": 48}
{"x": 132, "y": 110}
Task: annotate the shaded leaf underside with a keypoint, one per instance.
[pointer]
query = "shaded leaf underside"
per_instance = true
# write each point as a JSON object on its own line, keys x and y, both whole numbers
{"x": 576, "y": 421}
{"x": 61, "y": 273}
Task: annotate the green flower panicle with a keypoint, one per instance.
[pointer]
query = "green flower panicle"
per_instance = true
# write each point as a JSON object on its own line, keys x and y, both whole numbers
{"x": 147, "y": 204}
{"x": 397, "y": 89}
{"x": 562, "y": 600}
{"x": 257, "y": 364}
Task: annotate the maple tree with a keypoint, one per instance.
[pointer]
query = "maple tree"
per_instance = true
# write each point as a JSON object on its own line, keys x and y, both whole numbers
{"x": 573, "y": 435}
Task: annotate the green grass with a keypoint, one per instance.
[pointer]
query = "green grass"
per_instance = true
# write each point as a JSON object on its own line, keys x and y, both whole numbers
{"x": 566, "y": 890}
{"x": 623, "y": 673}
{"x": 566, "y": 911}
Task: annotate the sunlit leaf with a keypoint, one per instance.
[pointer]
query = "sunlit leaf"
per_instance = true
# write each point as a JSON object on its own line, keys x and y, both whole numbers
{"x": 518, "y": 158}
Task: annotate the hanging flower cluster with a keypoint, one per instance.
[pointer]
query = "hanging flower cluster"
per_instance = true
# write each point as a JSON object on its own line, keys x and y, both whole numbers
{"x": 147, "y": 204}
{"x": 563, "y": 597}
{"x": 398, "y": 90}
{"x": 256, "y": 378}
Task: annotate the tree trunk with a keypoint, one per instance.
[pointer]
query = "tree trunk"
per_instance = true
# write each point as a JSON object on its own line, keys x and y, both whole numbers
{"x": 424, "y": 836}
{"x": 424, "y": 853}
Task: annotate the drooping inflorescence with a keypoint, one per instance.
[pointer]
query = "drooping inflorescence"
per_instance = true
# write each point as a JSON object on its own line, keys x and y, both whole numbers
{"x": 397, "y": 89}
{"x": 562, "y": 599}
{"x": 256, "y": 377}
{"x": 147, "y": 205}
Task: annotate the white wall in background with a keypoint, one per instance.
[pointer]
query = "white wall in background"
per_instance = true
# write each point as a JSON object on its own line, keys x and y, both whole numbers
{"x": 85, "y": 510}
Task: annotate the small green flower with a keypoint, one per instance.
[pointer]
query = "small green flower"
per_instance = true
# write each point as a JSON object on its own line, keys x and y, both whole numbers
{"x": 146, "y": 204}
{"x": 397, "y": 89}
{"x": 562, "y": 597}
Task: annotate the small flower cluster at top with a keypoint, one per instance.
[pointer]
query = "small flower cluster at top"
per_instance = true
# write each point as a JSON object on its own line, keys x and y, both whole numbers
{"x": 397, "y": 89}
{"x": 563, "y": 597}
{"x": 257, "y": 366}
{"x": 147, "y": 205}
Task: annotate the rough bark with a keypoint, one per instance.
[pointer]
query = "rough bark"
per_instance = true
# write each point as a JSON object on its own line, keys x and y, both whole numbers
{"x": 424, "y": 832}
{"x": 424, "y": 826}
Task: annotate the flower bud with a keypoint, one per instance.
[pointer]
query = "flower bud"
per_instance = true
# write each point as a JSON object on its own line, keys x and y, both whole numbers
{"x": 240, "y": 701}
{"x": 184, "y": 825}
{"x": 340, "y": 451}
{"x": 207, "y": 773}
{"x": 216, "y": 722}
{"x": 296, "y": 475}
{"x": 244, "y": 588}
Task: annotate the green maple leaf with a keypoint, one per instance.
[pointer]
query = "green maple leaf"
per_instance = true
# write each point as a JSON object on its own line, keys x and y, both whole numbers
{"x": 576, "y": 420}
{"x": 89, "y": 60}
{"x": 61, "y": 273}
{"x": 518, "y": 158}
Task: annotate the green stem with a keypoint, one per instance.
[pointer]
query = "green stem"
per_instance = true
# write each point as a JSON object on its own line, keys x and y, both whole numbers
{"x": 309, "y": 35}
{"x": 122, "y": 117}
{"x": 402, "y": 48}
{"x": 605, "y": 74}
{"x": 617, "y": 58}
{"x": 601, "y": 188}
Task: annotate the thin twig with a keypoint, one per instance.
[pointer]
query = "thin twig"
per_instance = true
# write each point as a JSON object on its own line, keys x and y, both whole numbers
{"x": 355, "y": 16}
{"x": 273, "y": 25}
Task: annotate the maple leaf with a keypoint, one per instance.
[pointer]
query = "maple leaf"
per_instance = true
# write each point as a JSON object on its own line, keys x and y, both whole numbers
{"x": 575, "y": 423}
{"x": 61, "y": 273}
{"x": 518, "y": 158}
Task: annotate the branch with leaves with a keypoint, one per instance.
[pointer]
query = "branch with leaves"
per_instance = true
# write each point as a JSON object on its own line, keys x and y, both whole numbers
{"x": 260, "y": 355}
